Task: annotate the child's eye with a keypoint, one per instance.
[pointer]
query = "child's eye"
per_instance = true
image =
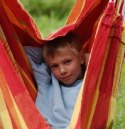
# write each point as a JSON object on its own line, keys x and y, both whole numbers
{"x": 68, "y": 61}
{"x": 54, "y": 66}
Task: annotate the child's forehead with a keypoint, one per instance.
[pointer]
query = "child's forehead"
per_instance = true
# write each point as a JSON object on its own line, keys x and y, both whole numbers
{"x": 67, "y": 49}
{"x": 66, "y": 52}
{"x": 60, "y": 57}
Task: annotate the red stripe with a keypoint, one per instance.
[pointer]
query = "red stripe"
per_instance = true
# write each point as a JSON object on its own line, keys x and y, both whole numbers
{"x": 23, "y": 16}
{"x": 20, "y": 94}
{"x": 12, "y": 40}
{"x": 103, "y": 102}
{"x": 12, "y": 78}
{"x": 94, "y": 66}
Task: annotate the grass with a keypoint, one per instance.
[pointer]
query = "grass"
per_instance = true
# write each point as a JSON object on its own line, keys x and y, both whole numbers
{"x": 47, "y": 25}
{"x": 120, "y": 106}
{"x": 49, "y": 15}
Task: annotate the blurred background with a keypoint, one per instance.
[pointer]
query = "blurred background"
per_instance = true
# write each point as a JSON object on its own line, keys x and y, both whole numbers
{"x": 49, "y": 15}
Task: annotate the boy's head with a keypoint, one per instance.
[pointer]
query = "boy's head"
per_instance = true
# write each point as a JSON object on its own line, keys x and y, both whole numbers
{"x": 65, "y": 57}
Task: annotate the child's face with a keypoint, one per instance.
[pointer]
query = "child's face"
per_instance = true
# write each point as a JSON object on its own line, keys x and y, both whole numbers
{"x": 66, "y": 66}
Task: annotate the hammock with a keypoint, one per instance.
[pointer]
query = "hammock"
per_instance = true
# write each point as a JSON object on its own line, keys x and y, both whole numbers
{"x": 103, "y": 36}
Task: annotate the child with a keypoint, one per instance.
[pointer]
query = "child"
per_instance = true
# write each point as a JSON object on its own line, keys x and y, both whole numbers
{"x": 59, "y": 79}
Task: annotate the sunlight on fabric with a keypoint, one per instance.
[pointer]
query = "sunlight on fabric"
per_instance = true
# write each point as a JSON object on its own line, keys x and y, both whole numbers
{"x": 123, "y": 11}
{"x": 4, "y": 114}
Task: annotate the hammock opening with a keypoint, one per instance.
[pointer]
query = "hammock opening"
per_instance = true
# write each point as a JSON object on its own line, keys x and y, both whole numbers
{"x": 49, "y": 14}
{"x": 65, "y": 61}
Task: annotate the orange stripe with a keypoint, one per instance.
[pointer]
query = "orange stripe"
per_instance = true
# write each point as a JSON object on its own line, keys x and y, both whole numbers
{"x": 76, "y": 10}
{"x": 8, "y": 99}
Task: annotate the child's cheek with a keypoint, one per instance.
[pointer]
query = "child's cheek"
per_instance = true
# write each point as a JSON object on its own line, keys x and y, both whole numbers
{"x": 55, "y": 72}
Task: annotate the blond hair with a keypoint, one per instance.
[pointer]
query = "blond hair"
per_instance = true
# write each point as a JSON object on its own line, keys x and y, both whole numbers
{"x": 55, "y": 46}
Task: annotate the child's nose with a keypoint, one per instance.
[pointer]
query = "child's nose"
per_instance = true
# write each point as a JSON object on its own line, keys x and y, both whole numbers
{"x": 63, "y": 70}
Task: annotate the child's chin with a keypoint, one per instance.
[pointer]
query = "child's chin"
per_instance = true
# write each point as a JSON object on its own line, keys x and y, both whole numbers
{"x": 67, "y": 83}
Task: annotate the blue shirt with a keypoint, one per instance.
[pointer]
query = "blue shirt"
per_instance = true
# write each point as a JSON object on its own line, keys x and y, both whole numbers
{"x": 54, "y": 101}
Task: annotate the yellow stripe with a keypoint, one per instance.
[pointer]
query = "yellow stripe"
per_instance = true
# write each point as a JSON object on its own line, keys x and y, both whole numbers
{"x": 2, "y": 36}
{"x": 17, "y": 116}
{"x": 27, "y": 78}
{"x": 4, "y": 115}
{"x": 116, "y": 80}
{"x": 76, "y": 109}
{"x": 111, "y": 114}
{"x": 1, "y": 125}
{"x": 78, "y": 103}
{"x": 123, "y": 34}
{"x": 96, "y": 94}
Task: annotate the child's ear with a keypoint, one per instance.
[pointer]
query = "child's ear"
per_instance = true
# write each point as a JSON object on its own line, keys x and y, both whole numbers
{"x": 82, "y": 57}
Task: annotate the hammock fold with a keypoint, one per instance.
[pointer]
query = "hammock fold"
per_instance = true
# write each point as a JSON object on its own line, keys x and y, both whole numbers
{"x": 101, "y": 30}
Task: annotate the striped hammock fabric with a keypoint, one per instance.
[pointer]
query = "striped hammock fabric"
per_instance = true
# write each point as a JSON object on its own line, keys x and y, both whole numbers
{"x": 101, "y": 28}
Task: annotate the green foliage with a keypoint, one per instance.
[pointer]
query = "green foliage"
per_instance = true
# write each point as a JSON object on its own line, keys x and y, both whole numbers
{"x": 48, "y": 14}
{"x": 47, "y": 25}
{"x": 120, "y": 107}
{"x": 48, "y": 7}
